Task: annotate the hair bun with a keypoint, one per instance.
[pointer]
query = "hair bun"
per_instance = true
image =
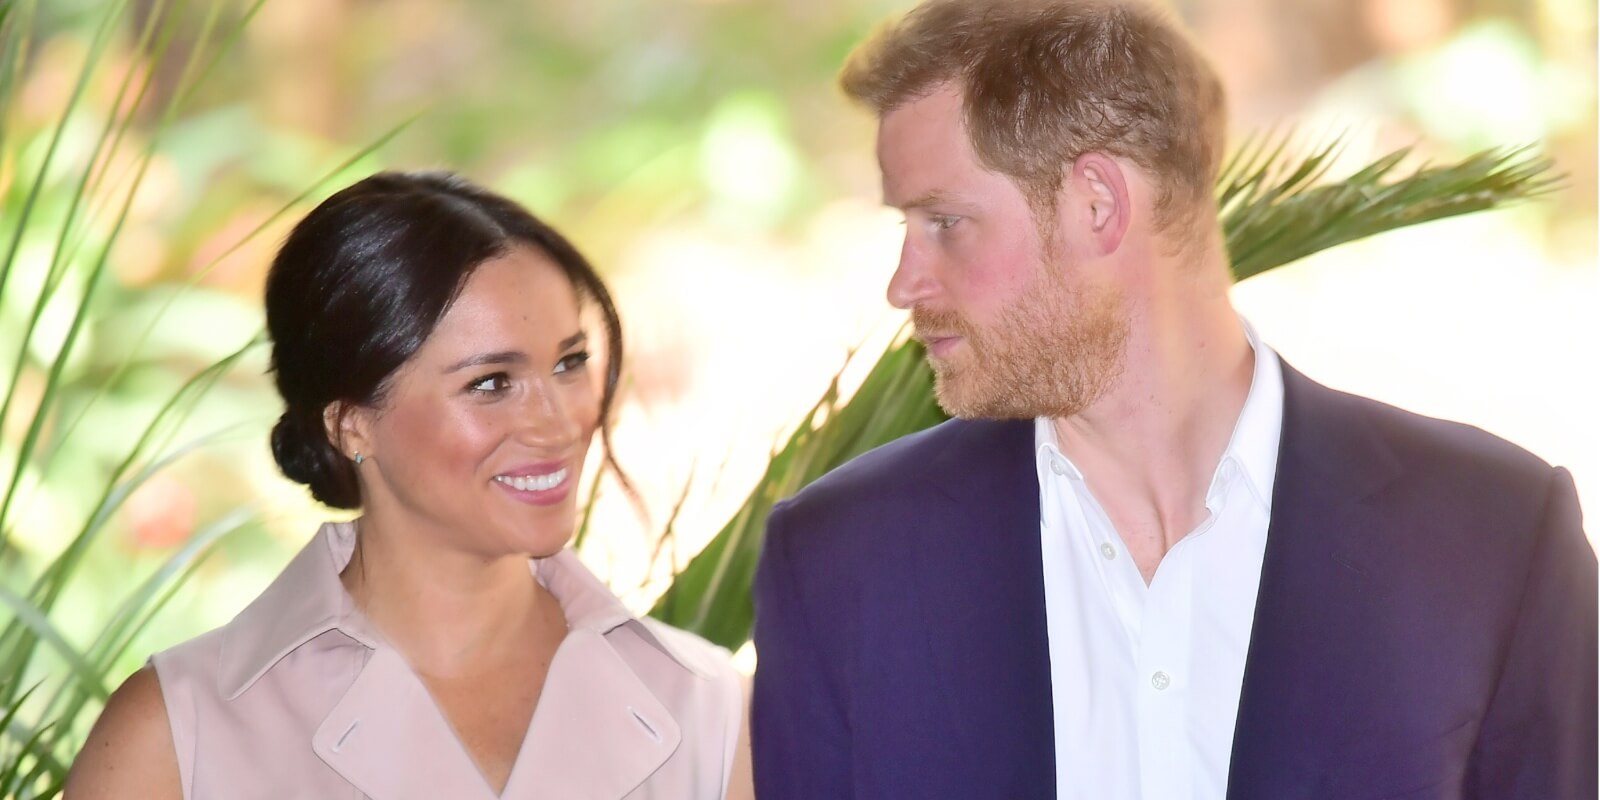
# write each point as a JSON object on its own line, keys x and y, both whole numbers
{"x": 305, "y": 455}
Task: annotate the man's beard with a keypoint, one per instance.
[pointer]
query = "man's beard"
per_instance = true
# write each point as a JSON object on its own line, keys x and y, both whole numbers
{"x": 1051, "y": 354}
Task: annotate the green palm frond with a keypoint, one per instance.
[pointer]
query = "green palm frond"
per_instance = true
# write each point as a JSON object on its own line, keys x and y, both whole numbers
{"x": 1272, "y": 215}
{"x": 712, "y": 595}
{"x": 1275, "y": 210}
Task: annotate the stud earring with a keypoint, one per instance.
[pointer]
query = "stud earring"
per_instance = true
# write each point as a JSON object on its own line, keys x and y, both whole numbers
{"x": 359, "y": 458}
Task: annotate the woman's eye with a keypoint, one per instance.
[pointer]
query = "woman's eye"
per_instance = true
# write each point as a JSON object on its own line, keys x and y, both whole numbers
{"x": 944, "y": 222}
{"x": 491, "y": 384}
{"x": 572, "y": 362}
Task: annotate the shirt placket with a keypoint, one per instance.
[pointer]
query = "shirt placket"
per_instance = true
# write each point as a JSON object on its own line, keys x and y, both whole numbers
{"x": 1163, "y": 680}
{"x": 1124, "y": 587}
{"x": 1099, "y": 616}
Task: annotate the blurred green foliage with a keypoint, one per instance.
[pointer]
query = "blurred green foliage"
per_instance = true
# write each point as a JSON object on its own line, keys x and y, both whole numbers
{"x": 152, "y": 152}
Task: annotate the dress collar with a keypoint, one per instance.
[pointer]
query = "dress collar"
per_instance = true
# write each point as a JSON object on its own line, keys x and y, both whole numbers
{"x": 307, "y": 600}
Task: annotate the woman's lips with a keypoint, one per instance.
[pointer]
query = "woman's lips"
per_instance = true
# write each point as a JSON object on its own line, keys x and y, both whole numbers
{"x": 541, "y": 486}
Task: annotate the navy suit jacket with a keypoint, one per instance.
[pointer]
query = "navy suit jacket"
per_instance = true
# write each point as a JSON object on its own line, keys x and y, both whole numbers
{"x": 1425, "y": 626}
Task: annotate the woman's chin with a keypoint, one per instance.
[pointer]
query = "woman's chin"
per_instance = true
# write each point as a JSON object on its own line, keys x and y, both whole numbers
{"x": 541, "y": 542}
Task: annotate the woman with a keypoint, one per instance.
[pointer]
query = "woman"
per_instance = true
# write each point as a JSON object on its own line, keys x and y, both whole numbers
{"x": 428, "y": 347}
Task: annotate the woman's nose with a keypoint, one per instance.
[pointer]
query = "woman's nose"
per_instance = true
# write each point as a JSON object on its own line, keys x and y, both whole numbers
{"x": 546, "y": 417}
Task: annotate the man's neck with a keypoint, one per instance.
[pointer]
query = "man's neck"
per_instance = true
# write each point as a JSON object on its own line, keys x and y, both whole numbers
{"x": 1149, "y": 448}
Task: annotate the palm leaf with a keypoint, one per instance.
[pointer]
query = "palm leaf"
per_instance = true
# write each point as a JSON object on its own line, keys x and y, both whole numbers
{"x": 128, "y": 360}
{"x": 60, "y": 262}
{"x": 135, "y": 613}
{"x": 1273, "y": 216}
{"x": 711, "y": 596}
{"x": 15, "y": 21}
{"x": 88, "y": 209}
{"x": 1274, "y": 211}
{"x": 29, "y": 748}
{"x": 17, "y": 642}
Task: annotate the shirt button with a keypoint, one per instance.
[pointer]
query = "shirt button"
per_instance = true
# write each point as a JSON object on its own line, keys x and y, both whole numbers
{"x": 1057, "y": 466}
{"x": 1108, "y": 551}
{"x": 1160, "y": 680}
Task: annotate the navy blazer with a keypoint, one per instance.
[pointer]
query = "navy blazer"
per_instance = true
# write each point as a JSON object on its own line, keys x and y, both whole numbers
{"x": 1425, "y": 626}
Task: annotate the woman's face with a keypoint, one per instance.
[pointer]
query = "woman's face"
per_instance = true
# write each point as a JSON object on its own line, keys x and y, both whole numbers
{"x": 482, "y": 435}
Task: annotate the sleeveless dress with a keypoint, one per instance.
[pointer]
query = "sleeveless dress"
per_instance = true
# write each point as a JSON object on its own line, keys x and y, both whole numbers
{"x": 298, "y": 697}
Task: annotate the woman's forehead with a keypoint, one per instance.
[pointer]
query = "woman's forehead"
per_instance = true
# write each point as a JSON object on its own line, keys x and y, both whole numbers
{"x": 521, "y": 295}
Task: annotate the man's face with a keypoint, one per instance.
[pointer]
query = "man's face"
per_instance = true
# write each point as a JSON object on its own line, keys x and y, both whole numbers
{"x": 1013, "y": 326}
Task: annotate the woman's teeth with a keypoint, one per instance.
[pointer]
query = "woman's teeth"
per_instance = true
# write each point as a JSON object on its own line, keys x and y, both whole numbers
{"x": 534, "y": 483}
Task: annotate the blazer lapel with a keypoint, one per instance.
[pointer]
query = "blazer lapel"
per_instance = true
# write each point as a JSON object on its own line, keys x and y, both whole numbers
{"x": 1303, "y": 676}
{"x": 980, "y": 583}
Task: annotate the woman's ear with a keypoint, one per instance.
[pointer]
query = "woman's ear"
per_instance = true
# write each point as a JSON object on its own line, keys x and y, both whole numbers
{"x": 1097, "y": 189}
{"x": 349, "y": 429}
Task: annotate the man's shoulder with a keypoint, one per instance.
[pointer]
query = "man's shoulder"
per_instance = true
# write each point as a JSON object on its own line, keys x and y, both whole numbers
{"x": 893, "y": 480}
{"x": 910, "y": 462}
{"x": 1442, "y": 460}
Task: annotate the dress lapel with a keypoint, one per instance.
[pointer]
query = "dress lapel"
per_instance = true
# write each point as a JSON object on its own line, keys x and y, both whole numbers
{"x": 980, "y": 583}
{"x": 598, "y": 731}
{"x": 388, "y": 738}
{"x": 1317, "y": 595}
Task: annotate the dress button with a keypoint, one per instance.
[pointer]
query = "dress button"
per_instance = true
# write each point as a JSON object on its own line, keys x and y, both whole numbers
{"x": 1057, "y": 466}
{"x": 1160, "y": 680}
{"x": 1108, "y": 551}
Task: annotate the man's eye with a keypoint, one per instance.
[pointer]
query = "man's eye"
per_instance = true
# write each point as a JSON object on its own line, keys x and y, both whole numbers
{"x": 945, "y": 222}
{"x": 572, "y": 362}
{"x": 491, "y": 384}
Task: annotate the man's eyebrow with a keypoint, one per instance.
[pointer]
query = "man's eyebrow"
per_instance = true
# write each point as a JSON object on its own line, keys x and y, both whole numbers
{"x": 923, "y": 201}
{"x": 483, "y": 359}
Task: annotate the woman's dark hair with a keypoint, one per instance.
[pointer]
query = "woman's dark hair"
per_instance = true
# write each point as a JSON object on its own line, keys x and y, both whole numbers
{"x": 363, "y": 280}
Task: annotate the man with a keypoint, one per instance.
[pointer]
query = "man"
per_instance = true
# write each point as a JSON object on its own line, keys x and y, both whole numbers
{"x": 1148, "y": 559}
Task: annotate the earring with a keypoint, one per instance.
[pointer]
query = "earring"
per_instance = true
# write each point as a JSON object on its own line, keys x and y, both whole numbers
{"x": 359, "y": 458}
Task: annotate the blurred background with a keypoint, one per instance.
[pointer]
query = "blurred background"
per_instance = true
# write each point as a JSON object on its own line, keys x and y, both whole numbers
{"x": 699, "y": 152}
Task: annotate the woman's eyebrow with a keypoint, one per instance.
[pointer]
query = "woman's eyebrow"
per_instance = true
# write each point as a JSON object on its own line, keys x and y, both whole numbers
{"x": 481, "y": 359}
{"x": 510, "y": 356}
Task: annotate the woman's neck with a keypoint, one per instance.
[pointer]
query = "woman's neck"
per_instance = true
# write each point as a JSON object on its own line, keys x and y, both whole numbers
{"x": 448, "y": 611}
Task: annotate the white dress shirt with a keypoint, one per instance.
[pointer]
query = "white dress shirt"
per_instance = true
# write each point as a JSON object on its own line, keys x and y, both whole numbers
{"x": 1146, "y": 679}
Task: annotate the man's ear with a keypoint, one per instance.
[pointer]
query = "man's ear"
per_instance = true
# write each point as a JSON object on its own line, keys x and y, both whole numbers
{"x": 349, "y": 429}
{"x": 1096, "y": 191}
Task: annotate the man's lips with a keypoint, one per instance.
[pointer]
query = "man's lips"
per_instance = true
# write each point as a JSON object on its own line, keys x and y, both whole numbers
{"x": 939, "y": 346}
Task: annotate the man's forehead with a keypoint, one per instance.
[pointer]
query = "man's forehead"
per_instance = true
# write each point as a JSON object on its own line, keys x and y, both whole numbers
{"x": 942, "y": 105}
{"x": 922, "y": 148}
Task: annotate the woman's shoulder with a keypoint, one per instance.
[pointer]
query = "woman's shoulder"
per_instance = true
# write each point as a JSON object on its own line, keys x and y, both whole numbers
{"x": 652, "y": 648}
{"x": 713, "y": 701}
{"x": 301, "y": 604}
{"x": 129, "y": 750}
{"x": 199, "y": 654}
{"x": 683, "y": 668}
{"x": 693, "y": 652}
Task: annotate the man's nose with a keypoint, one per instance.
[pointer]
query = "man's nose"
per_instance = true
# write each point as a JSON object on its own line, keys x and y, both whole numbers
{"x": 913, "y": 280}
